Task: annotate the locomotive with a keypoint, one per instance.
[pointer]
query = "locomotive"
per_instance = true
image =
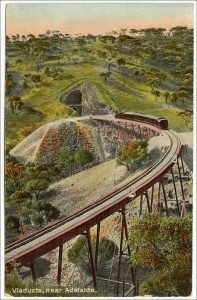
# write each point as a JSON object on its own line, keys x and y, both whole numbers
{"x": 158, "y": 122}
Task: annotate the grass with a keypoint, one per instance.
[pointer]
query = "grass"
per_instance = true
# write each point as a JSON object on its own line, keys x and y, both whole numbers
{"x": 45, "y": 97}
{"x": 19, "y": 126}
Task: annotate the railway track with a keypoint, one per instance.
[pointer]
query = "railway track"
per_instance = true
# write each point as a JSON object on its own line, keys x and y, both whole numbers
{"x": 46, "y": 238}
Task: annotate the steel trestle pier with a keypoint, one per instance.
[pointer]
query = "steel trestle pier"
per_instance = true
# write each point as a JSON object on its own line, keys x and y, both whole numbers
{"x": 26, "y": 250}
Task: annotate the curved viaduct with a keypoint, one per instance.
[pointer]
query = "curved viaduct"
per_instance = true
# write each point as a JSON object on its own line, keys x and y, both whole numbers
{"x": 27, "y": 249}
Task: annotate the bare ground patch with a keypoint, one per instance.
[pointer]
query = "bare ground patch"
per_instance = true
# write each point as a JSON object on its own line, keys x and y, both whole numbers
{"x": 78, "y": 190}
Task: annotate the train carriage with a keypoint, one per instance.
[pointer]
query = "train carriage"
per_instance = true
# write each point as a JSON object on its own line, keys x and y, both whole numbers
{"x": 159, "y": 122}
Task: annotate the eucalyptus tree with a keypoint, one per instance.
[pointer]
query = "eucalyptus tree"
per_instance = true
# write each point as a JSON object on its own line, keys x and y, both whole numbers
{"x": 135, "y": 151}
{"x": 166, "y": 96}
{"x": 179, "y": 30}
{"x": 174, "y": 97}
{"x": 133, "y": 31}
{"x": 111, "y": 53}
{"x": 121, "y": 62}
{"x": 105, "y": 75}
{"x": 123, "y": 31}
{"x": 164, "y": 246}
{"x": 156, "y": 93}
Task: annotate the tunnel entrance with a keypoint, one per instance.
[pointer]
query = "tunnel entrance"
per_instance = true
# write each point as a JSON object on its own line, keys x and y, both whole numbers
{"x": 74, "y": 100}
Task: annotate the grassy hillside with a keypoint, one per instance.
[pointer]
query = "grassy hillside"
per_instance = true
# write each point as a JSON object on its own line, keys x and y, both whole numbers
{"x": 126, "y": 71}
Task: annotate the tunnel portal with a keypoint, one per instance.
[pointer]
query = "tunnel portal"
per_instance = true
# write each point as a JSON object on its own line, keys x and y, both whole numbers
{"x": 74, "y": 100}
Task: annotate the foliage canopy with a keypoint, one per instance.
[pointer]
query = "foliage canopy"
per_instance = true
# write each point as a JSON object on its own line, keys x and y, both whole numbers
{"x": 164, "y": 246}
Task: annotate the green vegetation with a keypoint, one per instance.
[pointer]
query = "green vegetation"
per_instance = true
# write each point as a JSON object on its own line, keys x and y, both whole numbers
{"x": 131, "y": 153}
{"x": 83, "y": 157}
{"x": 26, "y": 186}
{"x": 12, "y": 222}
{"x": 149, "y": 71}
{"x": 72, "y": 162}
{"x": 163, "y": 245}
{"x": 39, "y": 68}
{"x": 35, "y": 186}
{"x": 78, "y": 253}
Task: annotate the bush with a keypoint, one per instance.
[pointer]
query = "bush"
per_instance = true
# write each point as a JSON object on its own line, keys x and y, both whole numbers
{"x": 36, "y": 78}
{"x": 164, "y": 246}
{"x": 78, "y": 253}
{"x": 12, "y": 222}
{"x": 37, "y": 219}
{"x": 83, "y": 157}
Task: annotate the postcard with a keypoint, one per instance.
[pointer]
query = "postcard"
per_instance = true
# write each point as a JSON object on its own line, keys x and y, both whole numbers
{"x": 98, "y": 115}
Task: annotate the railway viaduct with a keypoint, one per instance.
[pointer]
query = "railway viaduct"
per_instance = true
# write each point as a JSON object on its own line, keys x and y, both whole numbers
{"x": 25, "y": 250}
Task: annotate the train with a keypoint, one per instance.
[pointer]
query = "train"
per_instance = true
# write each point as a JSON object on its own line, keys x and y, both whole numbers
{"x": 158, "y": 122}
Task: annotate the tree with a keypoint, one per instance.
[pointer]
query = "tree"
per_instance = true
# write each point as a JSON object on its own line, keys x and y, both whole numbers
{"x": 38, "y": 67}
{"x": 121, "y": 62}
{"x": 102, "y": 54}
{"x": 66, "y": 160}
{"x": 12, "y": 225}
{"x": 178, "y": 30}
{"x": 48, "y": 32}
{"x": 23, "y": 38}
{"x": 37, "y": 219}
{"x": 50, "y": 212}
{"x": 160, "y": 31}
{"x": 78, "y": 250}
{"x": 56, "y": 71}
{"x": 26, "y": 215}
{"x": 10, "y": 82}
{"x": 12, "y": 222}
{"x": 47, "y": 71}
{"x": 164, "y": 246}
{"x": 107, "y": 39}
{"x": 17, "y": 198}
{"x": 174, "y": 97}
{"x": 13, "y": 173}
{"x": 83, "y": 157}
{"x": 182, "y": 94}
{"x": 35, "y": 186}
{"x": 166, "y": 96}
{"x": 105, "y": 75}
{"x": 36, "y": 78}
{"x": 80, "y": 41}
{"x": 78, "y": 253}
{"x": 108, "y": 55}
{"x": 107, "y": 249}
{"x": 156, "y": 93}
{"x": 135, "y": 151}
{"x": 124, "y": 39}
{"x": 123, "y": 31}
{"x": 133, "y": 31}
{"x": 155, "y": 77}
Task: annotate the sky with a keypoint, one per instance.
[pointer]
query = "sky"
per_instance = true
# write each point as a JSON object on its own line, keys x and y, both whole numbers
{"x": 94, "y": 18}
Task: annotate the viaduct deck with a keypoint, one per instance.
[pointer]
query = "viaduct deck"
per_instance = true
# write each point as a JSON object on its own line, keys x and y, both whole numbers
{"x": 51, "y": 236}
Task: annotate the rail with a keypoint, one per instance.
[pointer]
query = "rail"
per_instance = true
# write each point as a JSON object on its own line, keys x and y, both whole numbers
{"x": 126, "y": 192}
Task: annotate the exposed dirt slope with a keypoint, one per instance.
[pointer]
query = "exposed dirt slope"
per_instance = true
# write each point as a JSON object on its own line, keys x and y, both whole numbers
{"x": 74, "y": 192}
{"x": 45, "y": 144}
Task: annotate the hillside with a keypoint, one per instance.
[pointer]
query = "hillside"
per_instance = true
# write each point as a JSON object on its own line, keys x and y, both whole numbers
{"x": 52, "y": 79}
{"x": 44, "y": 145}
{"x": 148, "y": 72}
